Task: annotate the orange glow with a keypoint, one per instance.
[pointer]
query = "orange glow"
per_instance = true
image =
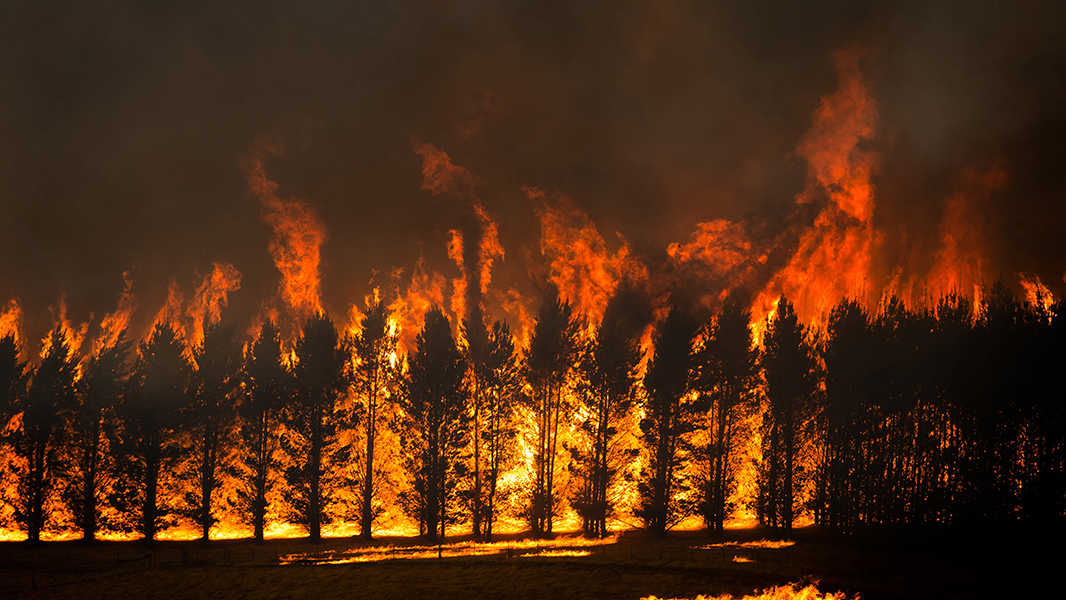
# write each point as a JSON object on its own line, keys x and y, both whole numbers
{"x": 561, "y": 547}
{"x": 298, "y": 234}
{"x": 960, "y": 264}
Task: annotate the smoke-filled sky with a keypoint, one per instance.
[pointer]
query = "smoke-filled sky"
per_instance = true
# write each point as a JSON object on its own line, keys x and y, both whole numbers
{"x": 123, "y": 128}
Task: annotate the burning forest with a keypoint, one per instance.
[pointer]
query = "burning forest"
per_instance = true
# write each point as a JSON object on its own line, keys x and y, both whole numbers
{"x": 852, "y": 321}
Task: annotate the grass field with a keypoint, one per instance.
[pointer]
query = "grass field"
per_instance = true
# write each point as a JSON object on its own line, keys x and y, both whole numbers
{"x": 632, "y": 565}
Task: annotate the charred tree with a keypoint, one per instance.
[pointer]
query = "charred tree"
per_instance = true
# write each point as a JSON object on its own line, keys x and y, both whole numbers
{"x": 267, "y": 384}
{"x": 554, "y": 353}
{"x": 668, "y": 417}
{"x": 435, "y": 403}
{"x": 321, "y": 376}
{"x": 375, "y": 375}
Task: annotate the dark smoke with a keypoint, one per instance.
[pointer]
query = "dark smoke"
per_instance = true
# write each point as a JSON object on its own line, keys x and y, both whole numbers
{"x": 122, "y": 126}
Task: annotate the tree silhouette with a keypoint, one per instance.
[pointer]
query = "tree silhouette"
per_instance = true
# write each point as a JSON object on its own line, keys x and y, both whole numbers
{"x": 847, "y": 364}
{"x": 104, "y": 384}
{"x": 435, "y": 403}
{"x": 790, "y": 370}
{"x": 12, "y": 377}
{"x": 151, "y": 415}
{"x": 267, "y": 385}
{"x": 321, "y": 376}
{"x": 609, "y": 385}
{"x": 215, "y": 385}
{"x": 40, "y": 439}
{"x": 668, "y": 417}
{"x": 374, "y": 375}
{"x": 553, "y": 354}
{"x": 727, "y": 371}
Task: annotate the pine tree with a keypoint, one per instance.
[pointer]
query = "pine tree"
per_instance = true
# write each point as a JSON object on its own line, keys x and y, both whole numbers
{"x": 321, "y": 376}
{"x": 435, "y": 404}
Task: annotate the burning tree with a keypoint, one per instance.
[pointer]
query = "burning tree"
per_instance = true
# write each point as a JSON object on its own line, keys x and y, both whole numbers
{"x": 215, "y": 385}
{"x": 150, "y": 418}
{"x": 668, "y": 417}
{"x": 267, "y": 385}
{"x": 727, "y": 374}
{"x": 375, "y": 375}
{"x": 609, "y": 384}
{"x": 554, "y": 352}
{"x": 321, "y": 376}
{"x": 435, "y": 403}
{"x": 103, "y": 385}
{"x": 39, "y": 442}
{"x": 496, "y": 371}
{"x": 790, "y": 370}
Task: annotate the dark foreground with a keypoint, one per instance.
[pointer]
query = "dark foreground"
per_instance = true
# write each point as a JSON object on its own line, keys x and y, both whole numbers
{"x": 631, "y": 566}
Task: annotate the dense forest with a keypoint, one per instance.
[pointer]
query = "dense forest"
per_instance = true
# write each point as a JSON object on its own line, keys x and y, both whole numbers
{"x": 949, "y": 415}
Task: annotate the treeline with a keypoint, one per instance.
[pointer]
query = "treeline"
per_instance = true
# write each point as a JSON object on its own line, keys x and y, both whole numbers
{"x": 950, "y": 415}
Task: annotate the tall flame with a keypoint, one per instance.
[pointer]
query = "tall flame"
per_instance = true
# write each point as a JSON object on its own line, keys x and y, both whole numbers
{"x": 74, "y": 335}
{"x": 211, "y": 297}
{"x": 118, "y": 321}
{"x": 582, "y": 268}
{"x": 170, "y": 313}
{"x": 960, "y": 263}
{"x": 832, "y": 260}
{"x": 298, "y": 234}
{"x": 425, "y": 291}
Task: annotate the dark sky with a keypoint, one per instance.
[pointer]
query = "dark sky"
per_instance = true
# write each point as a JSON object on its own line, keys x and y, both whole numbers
{"x": 122, "y": 126}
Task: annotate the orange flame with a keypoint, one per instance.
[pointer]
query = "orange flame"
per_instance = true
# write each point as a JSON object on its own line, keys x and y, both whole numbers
{"x": 211, "y": 297}
{"x": 74, "y": 336}
{"x": 833, "y": 257}
{"x": 459, "y": 284}
{"x": 425, "y": 291}
{"x": 1037, "y": 294}
{"x": 10, "y": 319}
{"x": 959, "y": 263}
{"x": 116, "y": 322}
{"x": 582, "y": 268}
{"x": 170, "y": 313}
{"x": 441, "y": 176}
{"x": 298, "y": 234}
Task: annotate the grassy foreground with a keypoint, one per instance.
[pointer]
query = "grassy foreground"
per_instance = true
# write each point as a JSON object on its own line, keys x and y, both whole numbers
{"x": 629, "y": 566}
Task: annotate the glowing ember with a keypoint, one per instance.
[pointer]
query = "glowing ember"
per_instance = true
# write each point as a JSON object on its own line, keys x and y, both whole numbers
{"x": 784, "y": 592}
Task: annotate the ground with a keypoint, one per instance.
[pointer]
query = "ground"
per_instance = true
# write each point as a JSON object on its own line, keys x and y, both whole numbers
{"x": 632, "y": 565}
